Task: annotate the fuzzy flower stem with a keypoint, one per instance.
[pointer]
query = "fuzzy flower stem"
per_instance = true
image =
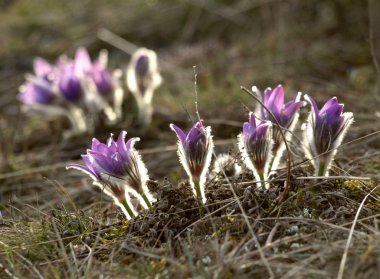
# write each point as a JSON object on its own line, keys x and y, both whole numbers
{"x": 322, "y": 169}
{"x": 145, "y": 111}
{"x": 127, "y": 208}
{"x": 146, "y": 200}
{"x": 262, "y": 179}
{"x": 199, "y": 195}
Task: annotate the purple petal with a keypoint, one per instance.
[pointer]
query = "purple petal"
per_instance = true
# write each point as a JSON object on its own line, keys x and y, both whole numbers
{"x": 41, "y": 67}
{"x": 99, "y": 147}
{"x": 33, "y": 93}
{"x": 195, "y": 132}
{"x": 180, "y": 134}
{"x": 105, "y": 162}
{"x": 142, "y": 66}
{"x": 247, "y": 131}
{"x": 102, "y": 78}
{"x": 267, "y": 95}
{"x": 69, "y": 84}
{"x": 95, "y": 143}
{"x": 111, "y": 146}
{"x": 83, "y": 62}
{"x": 290, "y": 110}
{"x": 252, "y": 120}
{"x": 89, "y": 161}
{"x": 275, "y": 101}
{"x": 261, "y": 130}
{"x": 330, "y": 103}
{"x": 121, "y": 146}
{"x": 314, "y": 107}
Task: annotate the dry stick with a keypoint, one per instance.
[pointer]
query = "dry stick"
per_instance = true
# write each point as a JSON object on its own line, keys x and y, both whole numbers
{"x": 289, "y": 161}
{"x": 345, "y": 253}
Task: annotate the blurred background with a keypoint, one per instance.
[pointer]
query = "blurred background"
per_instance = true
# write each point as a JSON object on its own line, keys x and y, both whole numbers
{"x": 319, "y": 47}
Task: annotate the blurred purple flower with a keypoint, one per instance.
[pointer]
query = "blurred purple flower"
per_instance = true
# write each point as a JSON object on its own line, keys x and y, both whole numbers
{"x": 325, "y": 131}
{"x": 195, "y": 151}
{"x": 285, "y": 113}
{"x": 255, "y": 144}
{"x": 73, "y": 88}
{"x": 68, "y": 82}
{"x": 36, "y": 92}
{"x": 102, "y": 78}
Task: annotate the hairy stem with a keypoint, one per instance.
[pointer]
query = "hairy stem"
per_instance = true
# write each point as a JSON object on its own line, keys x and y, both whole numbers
{"x": 262, "y": 180}
{"x": 146, "y": 200}
{"x": 199, "y": 195}
{"x": 322, "y": 169}
{"x": 127, "y": 208}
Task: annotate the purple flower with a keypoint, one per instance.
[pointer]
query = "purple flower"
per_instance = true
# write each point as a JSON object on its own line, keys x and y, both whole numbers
{"x": 69, "y": 83}
{"x": 325, "y": 131}
{"x": 255, "y": 144}
{"x": 117, "y": 167}
{"x": 285, "y": 113}
{"x": 119, "y": 159}
{"x": 102, "y": 78}
{"x": 195, "y": 151}
{"x": 36, "y": 91}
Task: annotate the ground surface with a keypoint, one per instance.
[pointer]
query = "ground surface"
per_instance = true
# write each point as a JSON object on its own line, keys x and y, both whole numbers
{"x": 54, "y": 224}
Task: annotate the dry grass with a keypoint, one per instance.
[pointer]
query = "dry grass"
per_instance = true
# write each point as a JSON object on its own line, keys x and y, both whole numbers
{"x": 53, "y": 224}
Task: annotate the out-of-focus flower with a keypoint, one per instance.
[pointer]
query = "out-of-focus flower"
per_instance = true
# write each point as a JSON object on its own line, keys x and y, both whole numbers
{"x": 143, "y": 78}
{"x": 32, "y": 93}
{"x": 286, "y": 114}
{"x": 68, "y": 82}
{"x": 324, "y": 133}
{"x": 102, "y": 78}
{"x": 74, "y": 88}
{"x": 195, "y": 151}
{"x": 117, "y": 167}
{"x": 255, "y": 144}
{"x": 225, "y": 164}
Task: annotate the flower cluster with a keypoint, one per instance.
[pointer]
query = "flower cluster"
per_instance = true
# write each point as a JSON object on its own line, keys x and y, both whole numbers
{"x": 74, "y": 88}
{"x": 116, "y": 167}
{"x": 83, "y": 90}
{"x": 324, "y": 132}
{"x": 286, "y": 115}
